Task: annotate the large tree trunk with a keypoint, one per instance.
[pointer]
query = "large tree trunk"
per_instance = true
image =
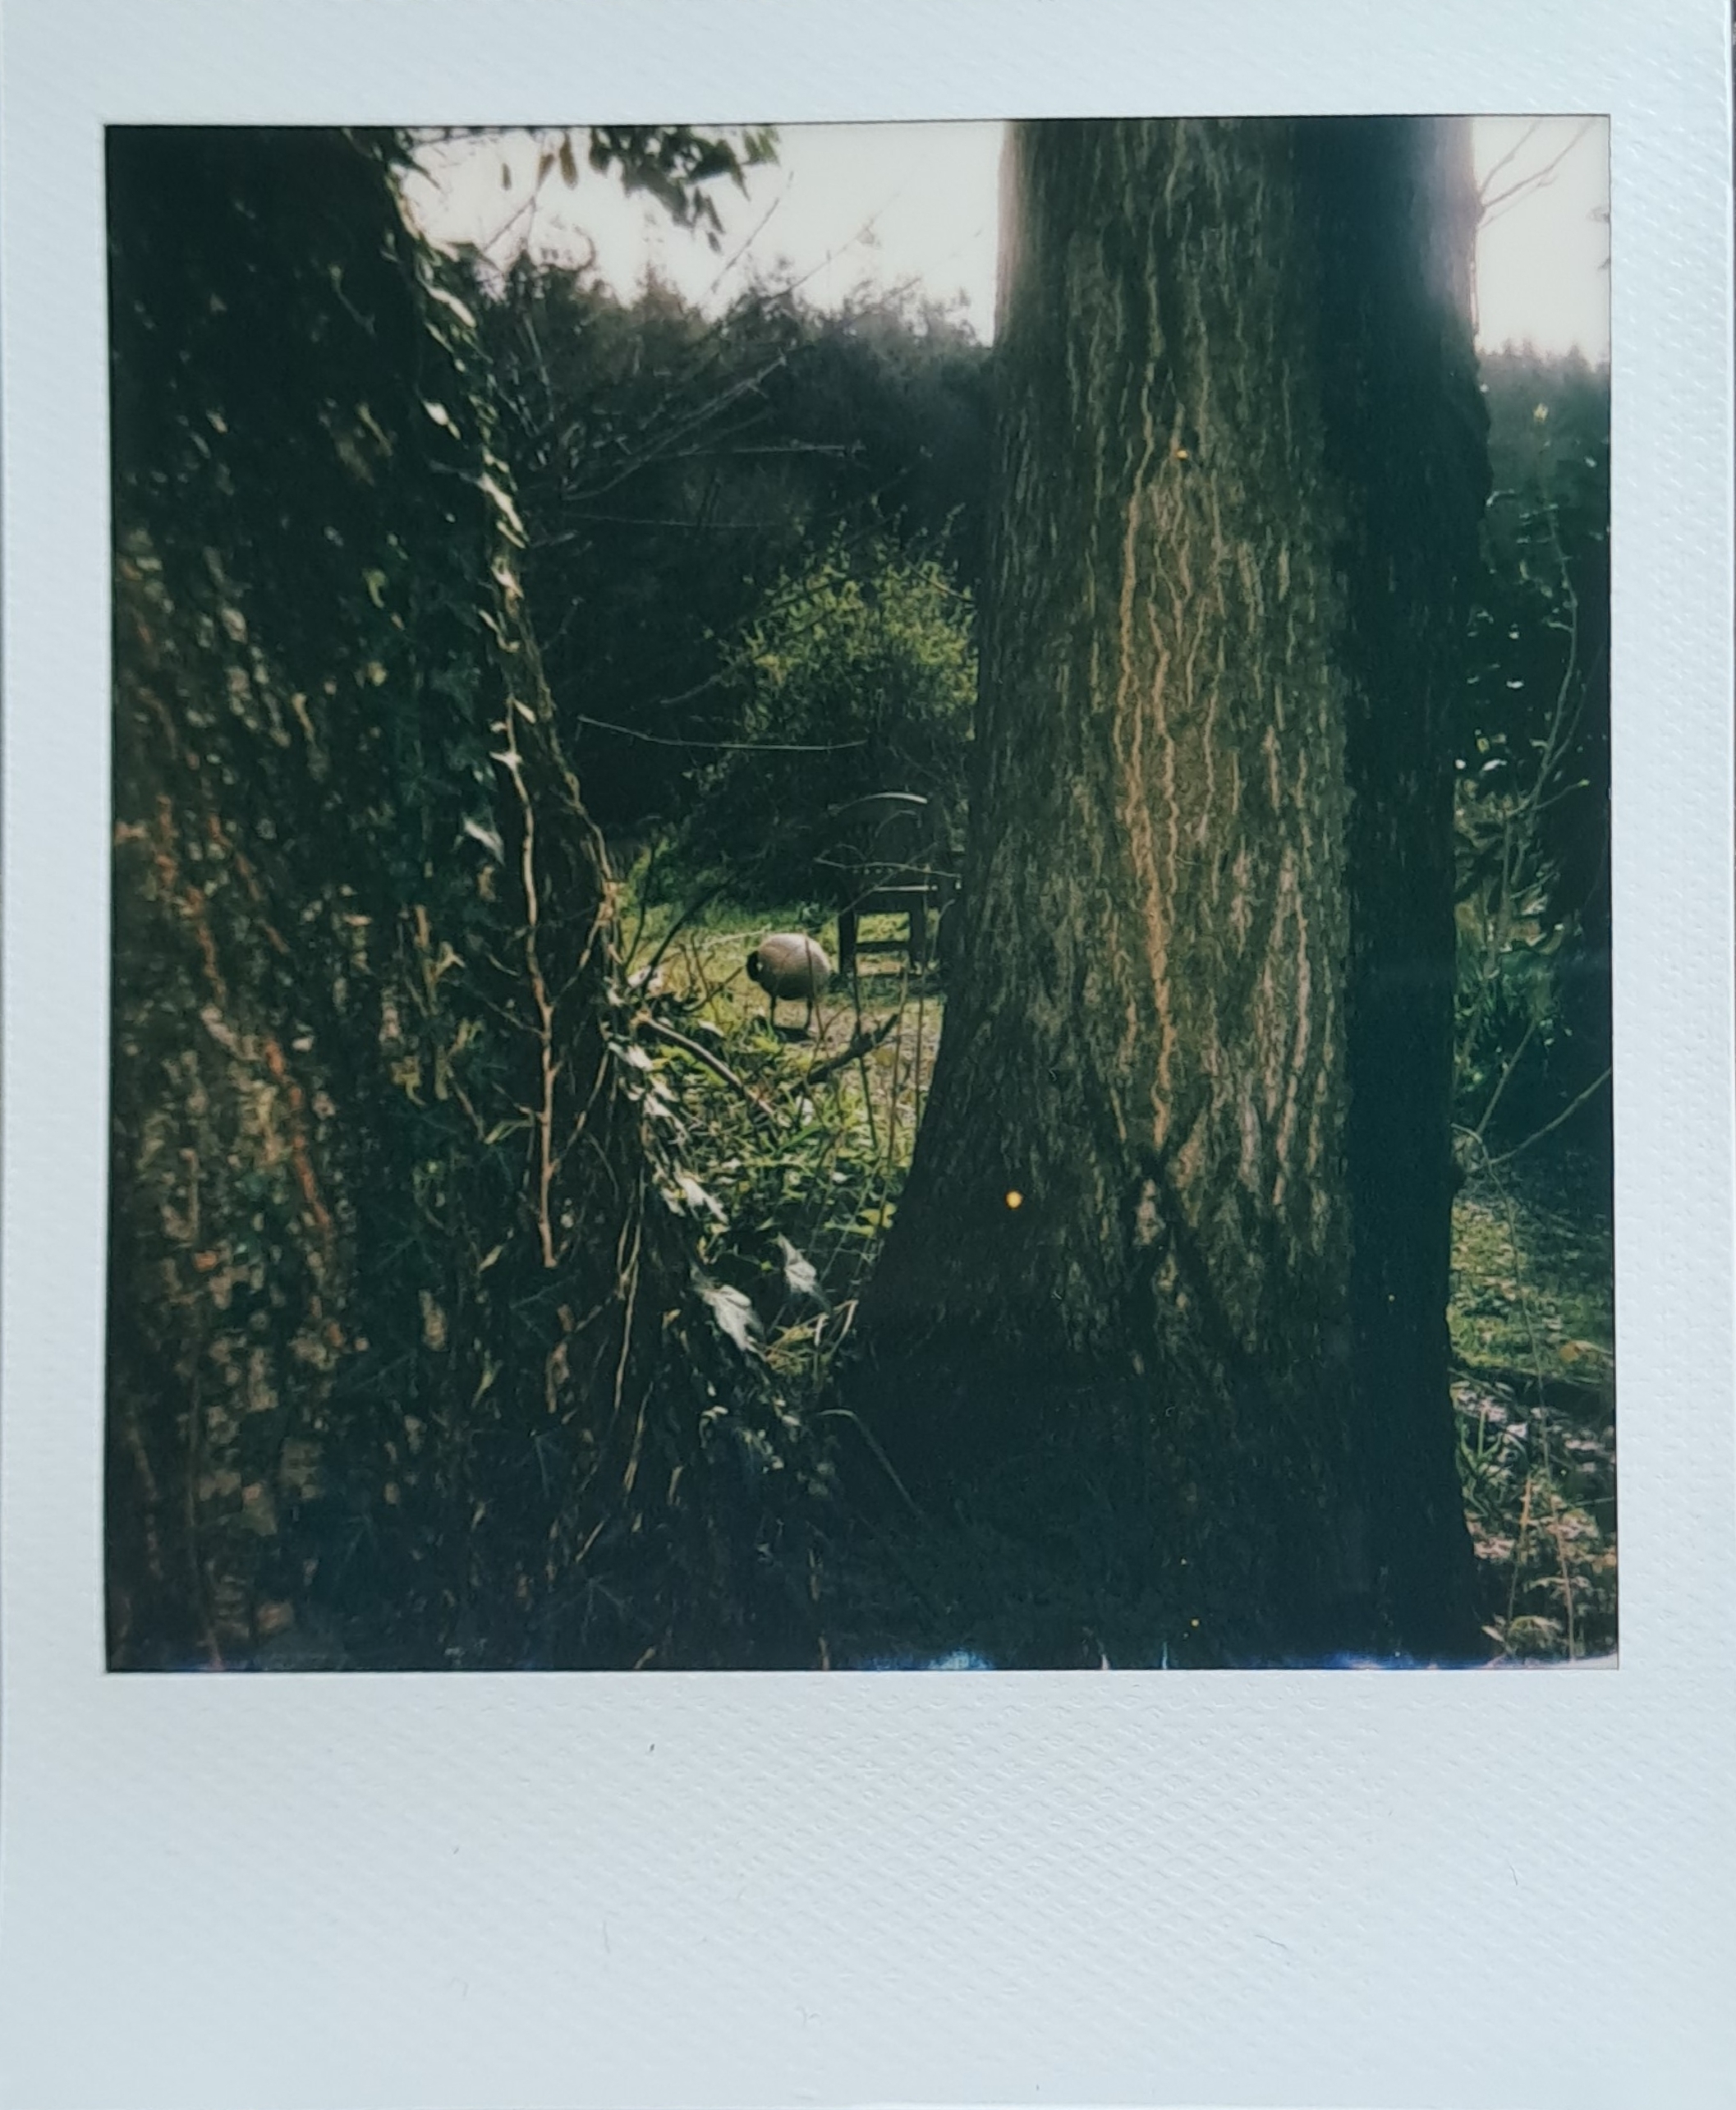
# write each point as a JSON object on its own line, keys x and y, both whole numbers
{"x": 1176, "y": 1235}
{"x": 403, "y": 1366}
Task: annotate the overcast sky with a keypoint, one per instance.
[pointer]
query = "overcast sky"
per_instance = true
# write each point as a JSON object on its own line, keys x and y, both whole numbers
{"x": 850, "y": 207}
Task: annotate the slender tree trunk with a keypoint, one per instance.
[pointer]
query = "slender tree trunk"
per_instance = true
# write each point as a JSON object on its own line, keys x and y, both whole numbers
{"x": 1179, "y": 1218}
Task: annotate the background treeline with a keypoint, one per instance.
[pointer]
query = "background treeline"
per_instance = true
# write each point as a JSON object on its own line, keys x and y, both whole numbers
{"x": 754, "y": 542}
{"x": 1533, "y": 807}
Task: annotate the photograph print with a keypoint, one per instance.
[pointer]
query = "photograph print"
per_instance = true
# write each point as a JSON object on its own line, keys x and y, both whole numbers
{"x": 861, "y": 897}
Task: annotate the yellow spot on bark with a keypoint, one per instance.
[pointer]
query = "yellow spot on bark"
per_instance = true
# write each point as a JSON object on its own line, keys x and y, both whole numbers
{"x": 1015, "y": 1200}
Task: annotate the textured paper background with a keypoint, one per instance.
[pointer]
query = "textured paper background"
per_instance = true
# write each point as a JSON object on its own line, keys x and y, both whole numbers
{"x": 1334, "y": 1889}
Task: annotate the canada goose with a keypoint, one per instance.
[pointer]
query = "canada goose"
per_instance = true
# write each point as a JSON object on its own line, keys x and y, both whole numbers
{"x": 788, "y": 964}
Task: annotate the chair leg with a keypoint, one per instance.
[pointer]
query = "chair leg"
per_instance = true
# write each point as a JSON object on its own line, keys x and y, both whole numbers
{"x": 919, "y": 934}
{"x": 847, "y": 922}
{"x": 947, "y": 921}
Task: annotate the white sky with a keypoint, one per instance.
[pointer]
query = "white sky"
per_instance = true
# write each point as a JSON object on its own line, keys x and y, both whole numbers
{"x": 1542, "y": 256}
{"x": 851, "y": 207}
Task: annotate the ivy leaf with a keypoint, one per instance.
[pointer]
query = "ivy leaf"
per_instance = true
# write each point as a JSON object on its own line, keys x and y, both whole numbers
{"x": 504, "y": 506}
{"x": 484, "y": 832}
{"x": 699, "y": 1201}
{"x": 800, "y": 1277}
{"x": 735, "y": 1315}
{"x": 437, "y": 291}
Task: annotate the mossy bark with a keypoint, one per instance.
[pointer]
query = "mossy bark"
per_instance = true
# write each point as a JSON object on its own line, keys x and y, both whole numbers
{"x": 403, "y": 1369}
{"x": 1179, "y": 1216}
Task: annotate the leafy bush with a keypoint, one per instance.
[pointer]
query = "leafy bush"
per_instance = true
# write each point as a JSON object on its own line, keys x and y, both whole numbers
{"x": 1532, "y": 806}
{"x": 671, "y": 464}
{"x": 858, "y": 675}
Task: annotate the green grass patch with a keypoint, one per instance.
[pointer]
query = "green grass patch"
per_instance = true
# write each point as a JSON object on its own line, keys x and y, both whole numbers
{"x": 797, "y": 1152}
{"x": 1532, "y": 1327}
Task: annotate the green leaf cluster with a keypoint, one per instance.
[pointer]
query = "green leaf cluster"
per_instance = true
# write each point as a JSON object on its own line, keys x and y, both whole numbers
{"x": 1532, "y": 796}
{"x": 856, "y": 675}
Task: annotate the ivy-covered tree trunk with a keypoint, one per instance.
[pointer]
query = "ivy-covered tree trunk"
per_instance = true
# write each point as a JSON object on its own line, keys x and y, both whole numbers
{"x": 402, "y": 1365}
{"x": 1172, "y": 1262}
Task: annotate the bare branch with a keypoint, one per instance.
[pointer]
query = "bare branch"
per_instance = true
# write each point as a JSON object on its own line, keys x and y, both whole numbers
{"x": 645, "y": 1023}
{"x": 1567, "y": 1112}
{"x": 1538, "y": 180}
{"x": 1511, "y": 154}
{"x": 864, "y": 1040}
{"x": 730, "y": 746}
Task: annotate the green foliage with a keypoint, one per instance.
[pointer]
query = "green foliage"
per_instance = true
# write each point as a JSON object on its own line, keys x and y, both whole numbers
{"x": 673, "y": 164}
{"x": 671, "y": 468}
{"x": 888, "y": 401}
{"x": 404, "y": 1368}
{"x": 1531, "y": 1313}
{"x": 858, "y": 675}
{"x": 1531, "y": 803}
{"x": 794, "y": 1210}
{"x": 788, "y": 1162}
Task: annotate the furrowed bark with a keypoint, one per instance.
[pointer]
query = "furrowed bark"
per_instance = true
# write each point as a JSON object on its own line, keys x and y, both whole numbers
{"x": 1180, "y": 1202}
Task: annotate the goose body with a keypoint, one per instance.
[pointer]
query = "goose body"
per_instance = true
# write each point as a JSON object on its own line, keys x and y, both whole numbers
{"x": 788, "y": 964}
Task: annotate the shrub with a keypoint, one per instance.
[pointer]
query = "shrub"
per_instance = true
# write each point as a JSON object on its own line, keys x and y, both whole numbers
{"x": 858, "y": 675}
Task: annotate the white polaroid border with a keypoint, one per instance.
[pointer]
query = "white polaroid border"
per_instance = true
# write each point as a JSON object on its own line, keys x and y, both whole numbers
{"x": 1328, "y": 1888}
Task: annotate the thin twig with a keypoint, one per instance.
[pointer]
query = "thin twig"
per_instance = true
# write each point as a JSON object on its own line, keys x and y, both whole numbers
{"x": 685, "y": 917}
{"x": 869, "y": 1437}
{"x": 1507, "y": 1070}
{"x": 1492, "y": 208}
{"x": 726, "y": 747}
{"x": 655, "y": 1026}
{"x": 548, "y": 1064}
{"x": 1566, "y": 1114}
{"x": 863, "y": 1042}
{"x": 1511, "y": 154}
{"x": 1518, "y": 1557}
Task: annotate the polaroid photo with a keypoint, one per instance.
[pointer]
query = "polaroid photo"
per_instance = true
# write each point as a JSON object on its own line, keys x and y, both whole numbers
{"x": 845, "y": 847}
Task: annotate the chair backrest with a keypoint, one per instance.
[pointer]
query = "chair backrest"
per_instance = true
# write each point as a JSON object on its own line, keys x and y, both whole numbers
{"x": 887, "y": 839}
{"x": 888, "y": 855}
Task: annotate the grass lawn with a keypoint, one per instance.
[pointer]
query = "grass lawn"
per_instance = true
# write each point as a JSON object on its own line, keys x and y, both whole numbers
{"x": 1532, "y": 1311}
